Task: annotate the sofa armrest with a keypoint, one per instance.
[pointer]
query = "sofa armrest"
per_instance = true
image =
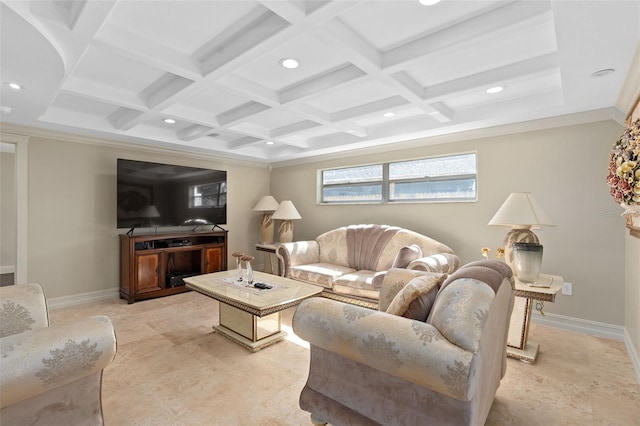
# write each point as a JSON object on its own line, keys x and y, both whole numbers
{"x": 444, "y": 263}
{"x": 38, "y": 361}
{"x": 395, "y": 280}
{"x": 23, "y": 307}
{"x": 411, "y": 350}
{"x": 297, "y": 253}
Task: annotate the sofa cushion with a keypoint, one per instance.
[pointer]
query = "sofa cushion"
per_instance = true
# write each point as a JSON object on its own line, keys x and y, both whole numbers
{"x": 362, "y": 283}
{"x": 322, "y": 274}
{"x": 333, "y": 247}
{"x": 406, "y": 255}
{"x": 415, "y": 300}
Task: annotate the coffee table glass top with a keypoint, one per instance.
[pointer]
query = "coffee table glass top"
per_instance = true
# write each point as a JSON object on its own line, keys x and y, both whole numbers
{"x": 221, "y": 286}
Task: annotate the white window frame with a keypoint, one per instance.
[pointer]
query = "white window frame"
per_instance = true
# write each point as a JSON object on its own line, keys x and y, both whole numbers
{"x": 386, "y": 183}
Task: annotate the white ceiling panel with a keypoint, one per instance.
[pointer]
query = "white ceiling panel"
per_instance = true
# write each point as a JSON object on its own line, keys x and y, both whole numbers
{"x": 313, "y": 55}
{"x": 122, "y": 73}
{"x": 351, "y": 96}
{"x": 184, "y": 26}
{"x": 115, "y": 69}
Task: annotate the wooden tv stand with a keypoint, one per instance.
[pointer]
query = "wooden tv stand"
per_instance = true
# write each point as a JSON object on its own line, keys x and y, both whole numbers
{"x": 154, "y": 265}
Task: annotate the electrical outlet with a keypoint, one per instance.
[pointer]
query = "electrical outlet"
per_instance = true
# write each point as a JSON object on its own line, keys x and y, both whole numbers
{"x": 567, "y": 289}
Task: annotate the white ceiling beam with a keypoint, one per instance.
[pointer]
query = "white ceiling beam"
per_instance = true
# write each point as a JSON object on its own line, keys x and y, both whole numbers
{"x": 330, "y": 80}
{"x": 291, "y": 11}
{"x": 129, "y": 45}
{"x": 163, "y": 89}
{"x": 500, "y": 75}
{"x": 122, "y": 118}
{"x": 396, "y": 59}
{"x": 249, "y": 89}
{"x": 193, "y": 132}
{"x": 300, "y": 126}
{"x": 368, "y": 109}
{"x": 99, "y": 92}
{"x": 243, "y": 41}
{"x": 240, "y": 113}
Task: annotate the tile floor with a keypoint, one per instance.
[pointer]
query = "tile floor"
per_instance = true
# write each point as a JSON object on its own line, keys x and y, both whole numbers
{"x": 172, "y": 369}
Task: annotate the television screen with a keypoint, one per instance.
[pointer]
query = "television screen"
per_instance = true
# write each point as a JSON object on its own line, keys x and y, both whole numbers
{"x": 157, "y": 195}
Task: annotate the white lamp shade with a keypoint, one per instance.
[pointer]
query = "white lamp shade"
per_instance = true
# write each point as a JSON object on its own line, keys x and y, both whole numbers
{"x": 266, "y": 204}
{"x": 286, "y": 211}
{"x": 521, "y": 210}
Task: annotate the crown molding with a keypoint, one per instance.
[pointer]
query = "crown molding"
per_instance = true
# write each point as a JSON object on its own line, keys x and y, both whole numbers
{"x": 630, "y": 92}
{"x": 603, "y": 114}
{"x": 186, "y": 152}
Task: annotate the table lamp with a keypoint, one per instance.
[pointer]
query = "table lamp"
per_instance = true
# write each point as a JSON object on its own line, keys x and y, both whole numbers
{"x": 520, "y": 211}
{"x": 148, "y": 213}
{"x": 267, "y": 205}
{"x": 286, "y": 212}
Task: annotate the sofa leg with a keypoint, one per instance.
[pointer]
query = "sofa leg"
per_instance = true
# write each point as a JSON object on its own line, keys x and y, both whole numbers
{"x": 316, "y": 421}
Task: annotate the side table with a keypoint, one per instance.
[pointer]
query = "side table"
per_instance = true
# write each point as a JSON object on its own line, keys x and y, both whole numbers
{"x": 270, "y": 251}
{"x": 517, "y": 345}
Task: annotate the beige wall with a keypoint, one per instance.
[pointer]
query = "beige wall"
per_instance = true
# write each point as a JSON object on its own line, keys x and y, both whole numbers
{"x": 632, "y": 295}
{"x": 565, "y": 168}
{"x": 8, "y": 210}
{"x": 73, "y": 240}
{"x": 73, "y": 237}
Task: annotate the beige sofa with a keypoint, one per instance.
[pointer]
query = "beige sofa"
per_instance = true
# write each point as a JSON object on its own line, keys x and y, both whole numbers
{"x": 50, "y": 375}
{"x": 392, "y": 367}
{"x": 350, "y": 262}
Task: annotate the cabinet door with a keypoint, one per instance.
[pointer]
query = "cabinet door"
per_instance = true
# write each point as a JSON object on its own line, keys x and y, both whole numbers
{"x": 213, "y": 259}
{"x": 147, "y": 272}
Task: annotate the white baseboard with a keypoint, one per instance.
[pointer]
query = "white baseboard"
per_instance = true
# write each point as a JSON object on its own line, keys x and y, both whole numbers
{"x": 633, "y": 354}
{"x": 594, "y": 328}
{"x": 80, "y": 299}
{"x": 10, "y": 269}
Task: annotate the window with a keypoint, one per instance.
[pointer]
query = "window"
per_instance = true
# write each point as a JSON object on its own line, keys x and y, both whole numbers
{"x": 448, "y": 178}
{"x": 208, "y": 195}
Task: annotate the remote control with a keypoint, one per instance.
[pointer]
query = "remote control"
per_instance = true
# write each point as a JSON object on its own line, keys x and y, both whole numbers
{"x": 262, "y": 286}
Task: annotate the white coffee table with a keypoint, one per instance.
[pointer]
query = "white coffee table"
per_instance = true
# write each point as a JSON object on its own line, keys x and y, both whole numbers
{"x": 249, "y": 316}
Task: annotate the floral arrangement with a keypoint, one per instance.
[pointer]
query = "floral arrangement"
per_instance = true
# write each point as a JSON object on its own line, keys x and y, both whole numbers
{"x": 624, "y": 167}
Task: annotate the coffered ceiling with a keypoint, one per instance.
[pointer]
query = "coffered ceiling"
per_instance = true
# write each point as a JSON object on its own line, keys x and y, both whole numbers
{"x": 370, "y": 72}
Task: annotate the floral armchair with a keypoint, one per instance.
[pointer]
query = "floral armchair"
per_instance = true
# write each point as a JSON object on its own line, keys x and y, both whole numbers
{"x": 434, "y": 354}
{"x": 50, "y": 374}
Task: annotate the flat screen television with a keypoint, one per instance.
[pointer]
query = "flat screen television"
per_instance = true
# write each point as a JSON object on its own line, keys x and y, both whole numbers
{"x": 167, "y": 195}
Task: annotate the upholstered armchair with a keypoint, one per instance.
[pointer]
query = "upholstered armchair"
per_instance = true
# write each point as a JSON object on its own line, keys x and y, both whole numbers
{"x": 50, "y": 374}
{"x": 434, "y": 354}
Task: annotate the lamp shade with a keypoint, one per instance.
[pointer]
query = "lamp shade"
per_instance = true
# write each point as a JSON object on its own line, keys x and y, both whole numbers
{"x": 266, "y": 204}
{"x": 150, "y": 212}
{"x": 521, "y": 210}
{"x": 286, "y": 211}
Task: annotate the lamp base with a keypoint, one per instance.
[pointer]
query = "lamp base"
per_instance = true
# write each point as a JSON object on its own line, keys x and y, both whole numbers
{"x": 285, "y": 231}
{"x": 266, "y": 228}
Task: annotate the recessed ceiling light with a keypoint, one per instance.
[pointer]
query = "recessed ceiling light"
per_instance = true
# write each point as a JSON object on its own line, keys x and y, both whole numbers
{"x": 603, "y": 73}
{"x": 169, "y": 121}
{"x": 14, "y": 86}
{"x": 289, "y": 63}
{"x": 428, "y": 2}
{"x": 389, "y": 114}
{"x": 496, "y": 89}
{"x": 269, "y": 142}
{"x": 5, "y": 110}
